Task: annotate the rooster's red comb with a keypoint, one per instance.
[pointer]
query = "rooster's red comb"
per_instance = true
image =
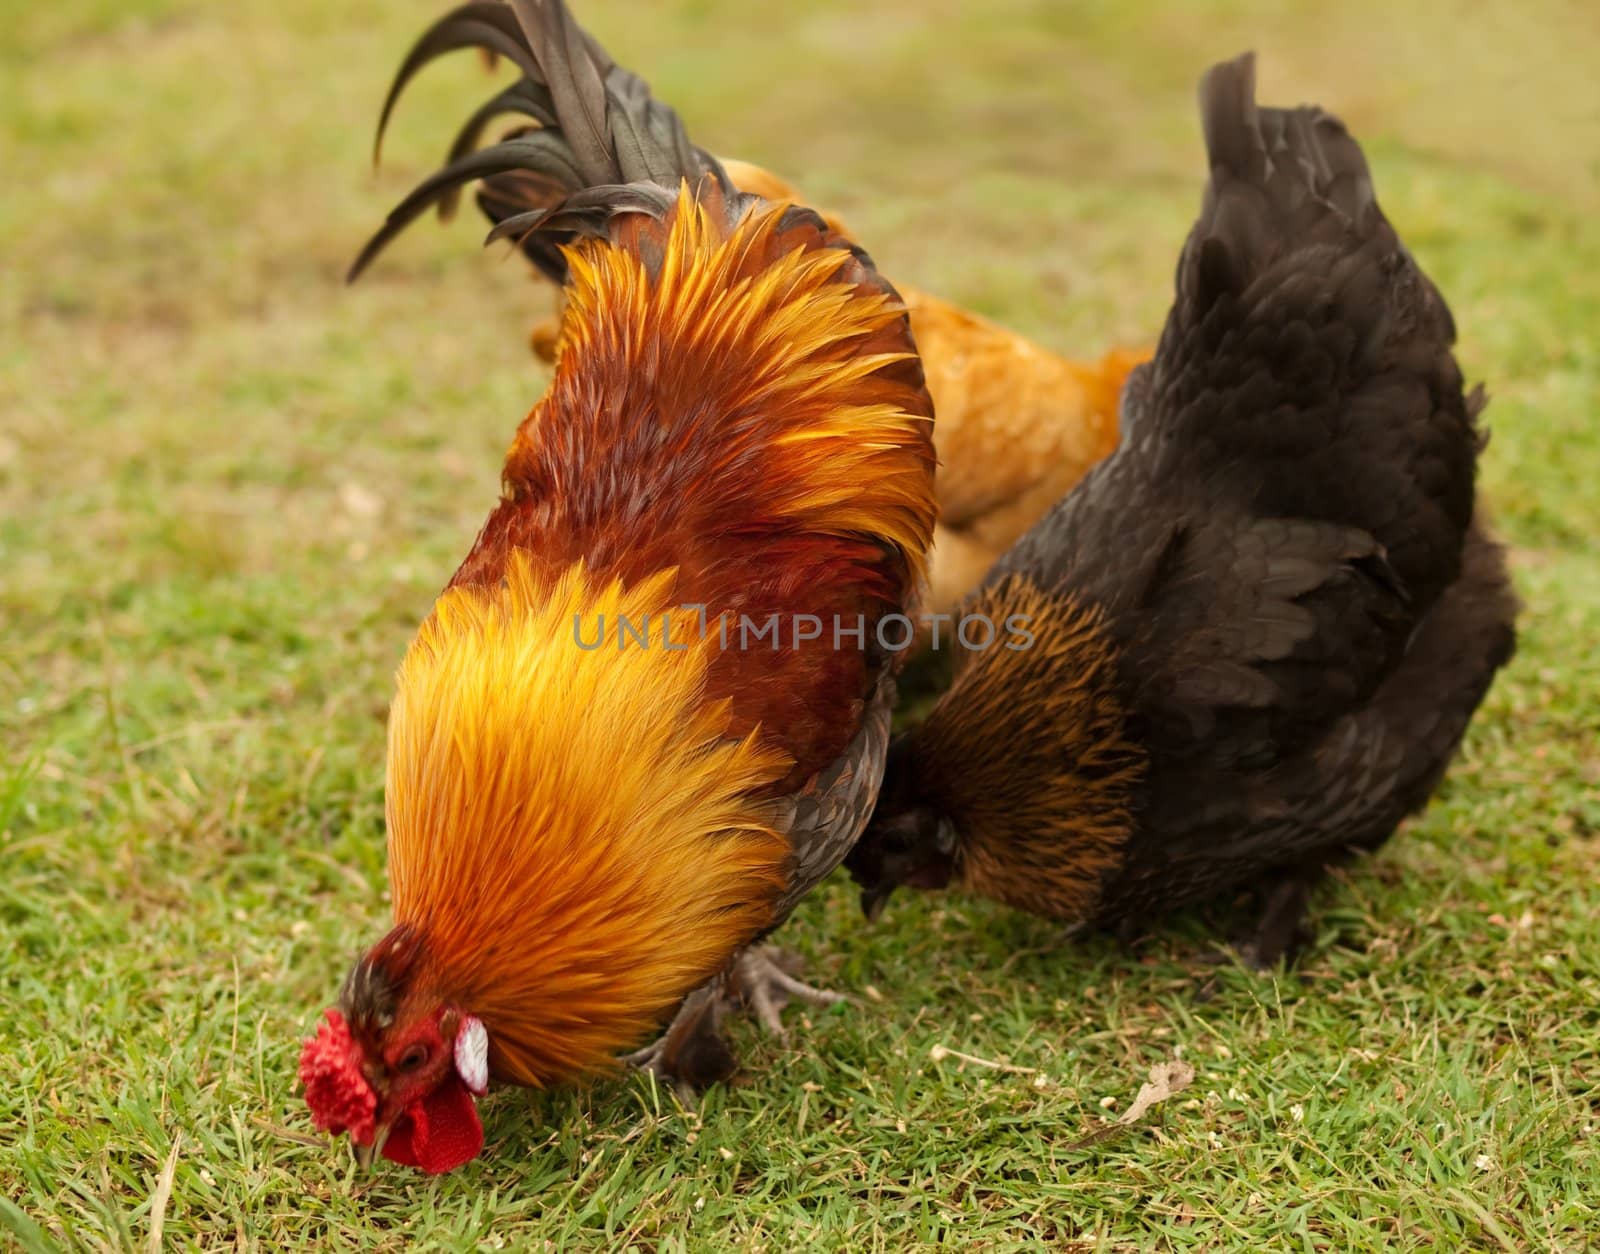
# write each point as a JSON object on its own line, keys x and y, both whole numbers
{"x": 339, "y": 1096}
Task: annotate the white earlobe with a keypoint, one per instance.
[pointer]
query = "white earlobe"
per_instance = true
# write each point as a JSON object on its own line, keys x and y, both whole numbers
{"x": 472, "y": 1055}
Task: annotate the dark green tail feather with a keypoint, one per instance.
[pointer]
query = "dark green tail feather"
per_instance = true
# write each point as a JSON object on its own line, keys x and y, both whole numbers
{"x": 601, "y": 139}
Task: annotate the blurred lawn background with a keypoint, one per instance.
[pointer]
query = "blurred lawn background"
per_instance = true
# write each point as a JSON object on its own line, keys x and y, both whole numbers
{"x": 229, "y": 488}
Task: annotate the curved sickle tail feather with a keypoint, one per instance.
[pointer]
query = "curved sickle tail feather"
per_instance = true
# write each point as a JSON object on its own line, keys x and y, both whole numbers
{"x": 602, "y": 145}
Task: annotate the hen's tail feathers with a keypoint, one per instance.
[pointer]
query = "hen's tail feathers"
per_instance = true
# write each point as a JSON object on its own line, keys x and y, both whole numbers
{"x": 1285, "y": 180}
{"x": 1293, "y": 155}
{"x": 602, "y": 145}
{"x": 1306, "y": 364}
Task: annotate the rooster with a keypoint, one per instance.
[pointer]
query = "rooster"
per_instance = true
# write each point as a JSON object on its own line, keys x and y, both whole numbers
{"x": 1017, "y": 425}
{"x": 601, "y": 791}
{"x": 1252, "y": 638}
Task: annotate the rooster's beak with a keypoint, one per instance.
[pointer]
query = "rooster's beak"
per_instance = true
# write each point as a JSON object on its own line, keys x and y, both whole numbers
{"x": 367, "y": 1155}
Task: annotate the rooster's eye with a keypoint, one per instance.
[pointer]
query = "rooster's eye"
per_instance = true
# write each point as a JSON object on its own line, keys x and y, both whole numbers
{"x": 412, "y": 1058}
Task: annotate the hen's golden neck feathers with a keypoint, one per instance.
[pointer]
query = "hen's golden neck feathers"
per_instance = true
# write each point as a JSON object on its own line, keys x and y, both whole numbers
{"x": 758, "y": 376}
{"x": 1028, "y": 755}
{"x": 572, "y": 835}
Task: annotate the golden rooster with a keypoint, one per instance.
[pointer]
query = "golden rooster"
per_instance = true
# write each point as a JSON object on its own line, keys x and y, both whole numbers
{"x": 650, "y": 710}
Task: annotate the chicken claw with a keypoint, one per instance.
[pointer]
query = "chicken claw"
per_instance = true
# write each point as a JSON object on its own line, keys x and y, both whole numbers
{"x": 760, "y": 984}
{"x": 692, "y": 1053}
{"x": 1280, "y": 932}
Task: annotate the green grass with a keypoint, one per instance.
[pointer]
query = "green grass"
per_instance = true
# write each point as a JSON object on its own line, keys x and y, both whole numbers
{"x": 229, "y": 488}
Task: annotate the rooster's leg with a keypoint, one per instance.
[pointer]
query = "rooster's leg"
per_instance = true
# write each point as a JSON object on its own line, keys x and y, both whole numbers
{"x": 758, "y": 982}
{"x": 691, "y": 1054}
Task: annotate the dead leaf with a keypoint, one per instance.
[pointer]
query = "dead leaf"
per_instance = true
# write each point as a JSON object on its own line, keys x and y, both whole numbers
{"x": 1166, "y": 1080}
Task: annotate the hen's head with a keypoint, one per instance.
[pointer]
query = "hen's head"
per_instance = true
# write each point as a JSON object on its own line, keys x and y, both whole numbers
{"x": 909, "y": 840}
{"x": 395, "y": 1066}
{"x": 1022, "y": 782}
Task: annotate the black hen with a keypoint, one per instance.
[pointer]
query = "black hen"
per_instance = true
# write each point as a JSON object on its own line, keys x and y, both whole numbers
{"x": 1251, "y": 640}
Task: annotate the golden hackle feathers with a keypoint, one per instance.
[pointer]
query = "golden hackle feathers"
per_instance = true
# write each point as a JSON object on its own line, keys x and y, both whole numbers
{"x": 572, "y": 832}
{"x": 765, "y": 342}
{"x": 1029, "y": 755}
{"x": 1017, "y": 425}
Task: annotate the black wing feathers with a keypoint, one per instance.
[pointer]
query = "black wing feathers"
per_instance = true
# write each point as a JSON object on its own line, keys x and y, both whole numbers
{"x": 1304, "y": 329}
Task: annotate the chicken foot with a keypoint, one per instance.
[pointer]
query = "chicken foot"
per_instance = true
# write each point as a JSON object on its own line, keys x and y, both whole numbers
{"x": 692, "y": 1053}
{"x": 1279, "y": 933}
{"x": 759, "y": 983}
